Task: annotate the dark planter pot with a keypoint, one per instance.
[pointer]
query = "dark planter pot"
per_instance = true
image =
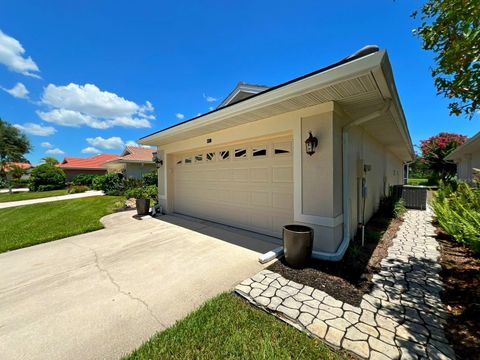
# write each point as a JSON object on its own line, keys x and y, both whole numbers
{"x": 297, "y": 245}
{"x": 143, "y": 206}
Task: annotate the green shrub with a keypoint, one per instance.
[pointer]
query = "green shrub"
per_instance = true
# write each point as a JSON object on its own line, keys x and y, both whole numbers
{"x": 457, "y": 209}
{"x": 150, "y": 178}
{"x": 110, "y": 184}
{"x": 84, "y": 179}
{"x": 399, "y": 208}
{"x": 75, "y": 189}
{"x": 20, "y": 183}
{"x": 47, "y": 177}
{"x": 144, "y": 192}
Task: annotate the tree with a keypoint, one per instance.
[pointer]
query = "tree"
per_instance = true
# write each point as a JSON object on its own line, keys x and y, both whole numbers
{"x": 436, "y": 148}
{"x": 451, "y": 29}
{"x": 419, "y": 169}
{"x": 16, "y": 172}
{"x": 47, "y": 177}
{"x": 13, "y": 146}
{"x": 50, "y": 160}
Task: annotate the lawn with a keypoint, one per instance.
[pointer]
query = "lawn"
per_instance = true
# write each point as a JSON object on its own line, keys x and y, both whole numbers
{"x": 27, "y": 195}
{"x": 226, "y": 327}
{"x": 23, "y": 226}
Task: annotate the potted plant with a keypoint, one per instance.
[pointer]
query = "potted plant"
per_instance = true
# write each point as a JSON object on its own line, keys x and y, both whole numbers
{"x": 142, "y": 196}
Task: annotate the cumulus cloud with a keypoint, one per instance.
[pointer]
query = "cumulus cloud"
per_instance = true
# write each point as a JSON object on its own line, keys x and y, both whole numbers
{"x": 55, "y": 151}
{"x": 36, "y": 129}
{"x": 135, "y": 144}
{"x": 209, "y": 98}
{"x": 180, "y": 116}
{"x": 90, "y": 150}
{"x": 113, "y": 142}
{"x": 12, "y": 55}
{"x": 46, "y": 144}
{"x": 18, "y": 91}
{"x": 76, "y": 105}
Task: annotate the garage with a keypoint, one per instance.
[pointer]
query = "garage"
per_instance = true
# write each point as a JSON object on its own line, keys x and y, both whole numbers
{"x": 247, "y": 185}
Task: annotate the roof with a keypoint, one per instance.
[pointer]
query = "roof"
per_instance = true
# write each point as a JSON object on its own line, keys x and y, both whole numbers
{"x": 23, "y": 165}
{"x": 470, "y": 146}
{"x": 92, "y": 162}
{"x": 135, "y": 154}
{"x": 242, "y": 91}
{"x": 360, "y": 83}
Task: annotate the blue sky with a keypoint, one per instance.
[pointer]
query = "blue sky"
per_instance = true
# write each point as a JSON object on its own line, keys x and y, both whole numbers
{"x": 98, "y": 73}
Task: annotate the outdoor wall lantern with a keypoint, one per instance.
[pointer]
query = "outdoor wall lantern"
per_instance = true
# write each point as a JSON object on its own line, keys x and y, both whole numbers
{"x": 311, "y": 144}
{"x": 158, "y": 162}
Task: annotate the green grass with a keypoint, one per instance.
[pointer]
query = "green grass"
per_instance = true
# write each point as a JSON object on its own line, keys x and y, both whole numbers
{"x": 27, "y": 195}
{"x": 423, "y": 182}
{"x": 27, "y": 225}
{"x": 226, "y": 327}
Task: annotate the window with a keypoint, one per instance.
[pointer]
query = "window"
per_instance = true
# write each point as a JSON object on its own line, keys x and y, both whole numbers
{"x": 210, "y": 156}
{"x": 282, "y": 148}
{"x": 240, "y": 153}
{"x": 188, "y": 160}
{"x": 199, "y": 158}
{"x": 179, "y": 162}
{"x": 224, "y": 155}
{"x": 259, "y": 151}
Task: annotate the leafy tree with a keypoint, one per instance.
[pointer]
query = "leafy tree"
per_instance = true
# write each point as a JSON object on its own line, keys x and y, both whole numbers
{"x": 419, "y": 169}
{"x": 16, "y": 172}
{"x": 434, "y": 151}
{"x": 451, "y": 29}
{"x": 50, "y": 160}
{"x": 47, "y": 177}
{"x": 13, "y": 146}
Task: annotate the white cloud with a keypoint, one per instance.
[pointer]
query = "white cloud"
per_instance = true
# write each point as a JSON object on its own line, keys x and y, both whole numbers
{"x": 18, "y": 91}
{"x": 180, "y": 116}
{"x": 113, "y": 142}
{"x": 76, "y": 105}
{"x": 55, "y": 151}
{"x": 209, "y": 98}
{"x": 46, "y": 144}
{"x": 135, "y": 144}
{"x": 12, "y": 56}
{"x": 210, "y": 108}
{"x": 90, "y": 150}
{"x": 36, "y": 129}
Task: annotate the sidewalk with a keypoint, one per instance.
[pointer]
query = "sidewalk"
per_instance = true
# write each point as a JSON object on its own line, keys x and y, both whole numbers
{"x": 49, "y": 199}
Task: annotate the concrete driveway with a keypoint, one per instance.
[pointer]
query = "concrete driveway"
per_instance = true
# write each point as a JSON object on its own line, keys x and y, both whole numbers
{"x": 102, "y": 294}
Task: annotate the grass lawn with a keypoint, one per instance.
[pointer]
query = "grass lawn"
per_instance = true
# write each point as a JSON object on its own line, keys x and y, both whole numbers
{"x": 418, "y": 182}
{"x": 23, "y": 226}
{"x": 226, "y": 327}
{"x": 27, "y": 195}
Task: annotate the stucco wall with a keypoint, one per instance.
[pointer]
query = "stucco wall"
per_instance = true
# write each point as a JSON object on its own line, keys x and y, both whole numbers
{"x": 466, "y": 165}
{"x": 137, "y": 170}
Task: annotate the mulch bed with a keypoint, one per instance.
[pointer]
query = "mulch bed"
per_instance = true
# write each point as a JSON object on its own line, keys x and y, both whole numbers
{"x": 461, "y": 277}
{"x": 349, "y": 279}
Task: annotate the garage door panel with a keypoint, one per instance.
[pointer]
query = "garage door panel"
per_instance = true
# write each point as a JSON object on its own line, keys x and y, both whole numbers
{"x": 251, "y": 189}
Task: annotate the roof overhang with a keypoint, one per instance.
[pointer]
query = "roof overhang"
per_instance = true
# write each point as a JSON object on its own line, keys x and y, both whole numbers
{"x": 472, "y": 145}
{"x": 359, "y": 86}
{"x": 123, "y": 161}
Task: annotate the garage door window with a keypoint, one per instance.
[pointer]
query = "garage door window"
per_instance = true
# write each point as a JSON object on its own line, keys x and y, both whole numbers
{"x": 240, "y": 153}
{"x": 188, "y": 160}
{"x": 210, "y": 156}
{"x": 224, "y": 155}
{"x": 179, "y": 162}
{"x": 199, "y": 158}
{"x": 282, "y": 148}
{"x": 260, "y": 151}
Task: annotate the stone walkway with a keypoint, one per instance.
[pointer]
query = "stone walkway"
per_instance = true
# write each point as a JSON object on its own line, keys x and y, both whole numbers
{"x": 50, "y": 199}
{"x": 402, "y": 318}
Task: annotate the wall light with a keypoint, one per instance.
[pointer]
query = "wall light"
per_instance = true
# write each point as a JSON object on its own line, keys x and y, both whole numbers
{"x": 311, "y": 144}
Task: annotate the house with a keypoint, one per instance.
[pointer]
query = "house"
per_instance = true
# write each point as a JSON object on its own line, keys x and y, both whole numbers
{"x": 26, "y": 166}
{"x": 467, "y": 158}
{"x": 73, "y": 166}
{"x": 133, "y": 162}
{"x": 245, "y": 164}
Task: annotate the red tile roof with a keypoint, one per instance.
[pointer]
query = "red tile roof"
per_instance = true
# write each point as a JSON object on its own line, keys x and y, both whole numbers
{"x": 22, "y": 165}
{"x": 133, "y": 153}
{"x": 92, "y": 162}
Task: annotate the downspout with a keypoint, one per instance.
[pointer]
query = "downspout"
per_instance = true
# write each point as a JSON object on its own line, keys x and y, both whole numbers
{"x": 338, "y": 255}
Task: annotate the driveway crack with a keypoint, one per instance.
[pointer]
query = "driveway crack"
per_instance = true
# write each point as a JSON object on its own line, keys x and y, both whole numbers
{"x": 117, "y": 285}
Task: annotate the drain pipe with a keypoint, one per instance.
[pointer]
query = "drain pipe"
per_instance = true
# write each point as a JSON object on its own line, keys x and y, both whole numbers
{"x": 338, "y": 255}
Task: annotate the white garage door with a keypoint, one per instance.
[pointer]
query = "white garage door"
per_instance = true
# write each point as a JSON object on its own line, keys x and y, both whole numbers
{"x": 247, "y": 185}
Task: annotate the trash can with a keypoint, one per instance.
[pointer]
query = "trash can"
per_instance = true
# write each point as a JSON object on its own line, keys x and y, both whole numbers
{"x": 297, "y": 244}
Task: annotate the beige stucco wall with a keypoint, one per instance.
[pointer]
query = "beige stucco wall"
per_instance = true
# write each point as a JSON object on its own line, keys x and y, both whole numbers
{"x": 136, "y": 171}
{"x": 317, "y": 178}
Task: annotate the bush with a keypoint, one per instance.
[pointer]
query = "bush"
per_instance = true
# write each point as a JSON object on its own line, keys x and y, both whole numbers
{"x": 399, "y": 208}
{"x": 84, "y": 179}
{"x": 47, "y": 177}
{"x": 110, "y": 184}
{"x": 20, "y": 183}
{"x": 144, "y": 192}
{"x": 457, "y": 209}
{"x": 150, "y": 178}
{"x": 75, "y": 189}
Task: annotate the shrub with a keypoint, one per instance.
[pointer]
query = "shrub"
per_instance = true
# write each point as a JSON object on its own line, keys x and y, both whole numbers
{"x": 144, "y": 192}
{"x": 399, "y": 208}
{"x": 150, "y": 178}
{"x": 47, "y": 176}
{"x": 84, "y": 179}
{"x": 457, "y": 209}
{"x": 110, "y": 184}
{"x": 75, "y": 189}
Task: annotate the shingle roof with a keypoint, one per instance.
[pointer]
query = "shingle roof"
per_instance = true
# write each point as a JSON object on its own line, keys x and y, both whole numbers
{"x": 133, "y": 153}
{"x": 92, "y": 162}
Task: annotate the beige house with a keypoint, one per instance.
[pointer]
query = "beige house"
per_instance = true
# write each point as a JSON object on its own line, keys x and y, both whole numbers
{"x": 245, "y": 164}
{"x": 467, "y": 158}
{"x": 133, "y": 162}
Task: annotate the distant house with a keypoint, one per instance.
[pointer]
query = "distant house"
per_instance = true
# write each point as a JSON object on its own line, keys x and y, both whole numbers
{"x": 467, "y": 158}
{"x": 133, "y": 162}
{"x": 73, "y": 166}
{"x": 23, "y": 165}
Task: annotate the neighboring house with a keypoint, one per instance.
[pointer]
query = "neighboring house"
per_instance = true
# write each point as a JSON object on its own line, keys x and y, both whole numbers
{"x": 73, "y": 166}
{"x": 24, "y": 165}
{"x": 467, "y": 158}
{"x": 245, "y": 163}
{"x": 133, "y": 162}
